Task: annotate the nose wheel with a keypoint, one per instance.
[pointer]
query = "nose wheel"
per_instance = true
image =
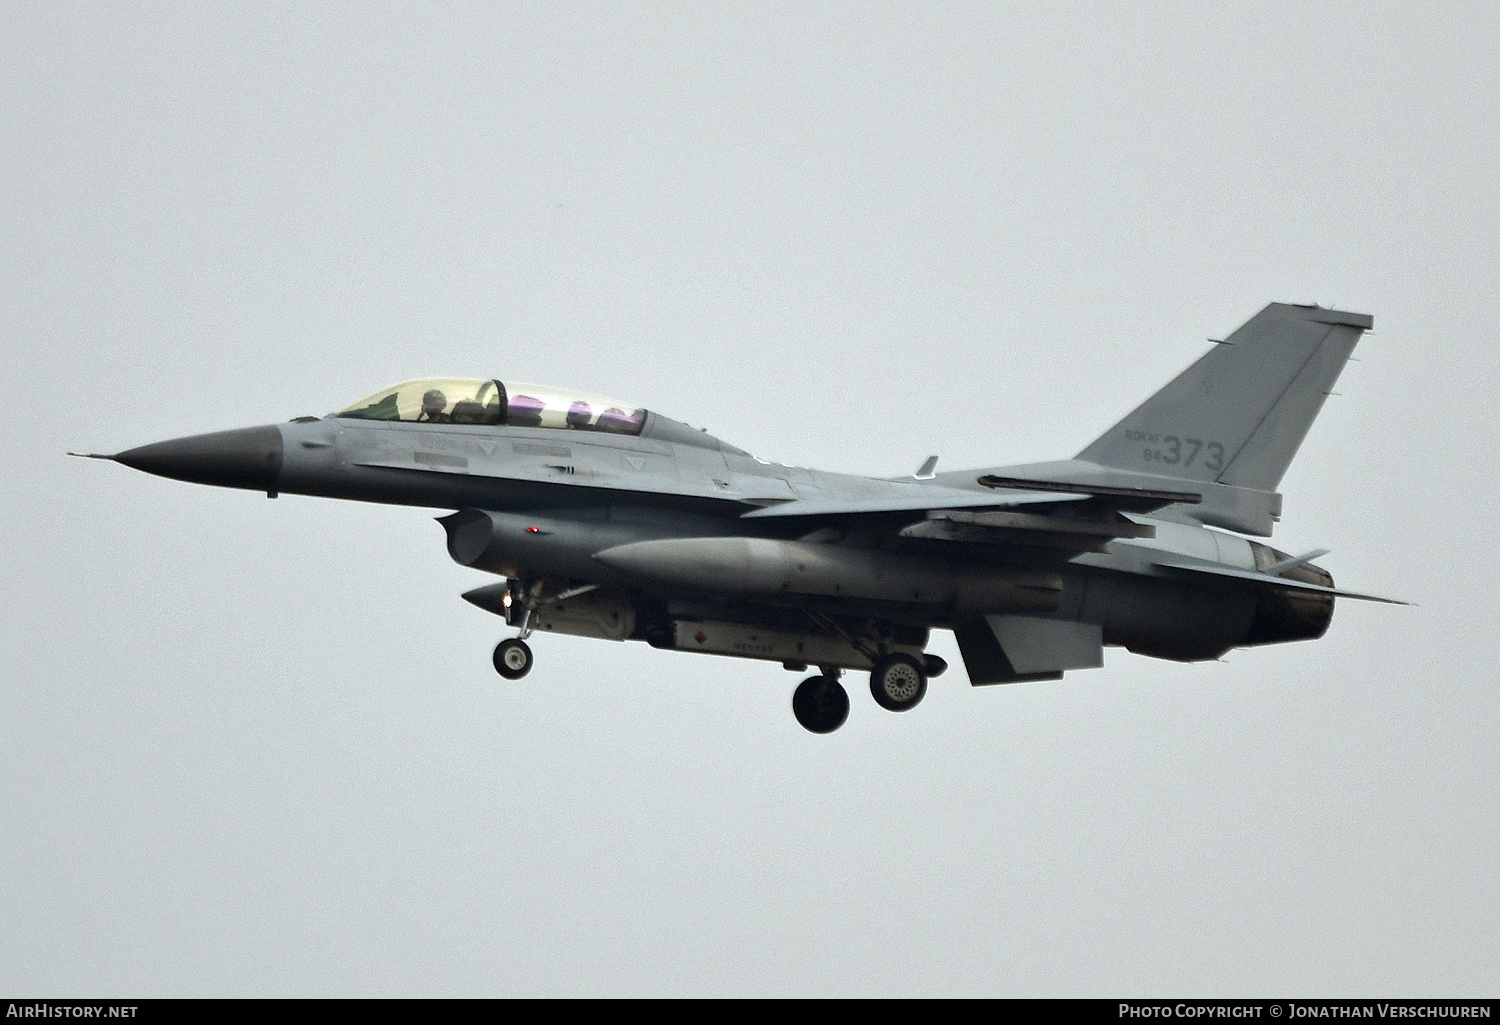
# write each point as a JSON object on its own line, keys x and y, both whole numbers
{"x": 512, "y": 658}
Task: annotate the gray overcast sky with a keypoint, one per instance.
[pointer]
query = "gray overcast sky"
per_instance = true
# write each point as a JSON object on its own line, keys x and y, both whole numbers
{"x": 256, "y": 748}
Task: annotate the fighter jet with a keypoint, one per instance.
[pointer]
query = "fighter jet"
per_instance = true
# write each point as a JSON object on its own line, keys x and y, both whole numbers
{"x": 607, "y": 520}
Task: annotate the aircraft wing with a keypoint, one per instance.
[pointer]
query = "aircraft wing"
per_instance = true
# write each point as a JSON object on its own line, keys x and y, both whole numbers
{"x": 922, "y": 500}
{"x": 1076, "y": 518}
{"x": 1006, "y": 493}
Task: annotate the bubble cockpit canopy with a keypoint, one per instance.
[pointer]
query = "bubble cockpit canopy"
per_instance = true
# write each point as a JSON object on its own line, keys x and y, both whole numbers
{"x": 463, "y": 400}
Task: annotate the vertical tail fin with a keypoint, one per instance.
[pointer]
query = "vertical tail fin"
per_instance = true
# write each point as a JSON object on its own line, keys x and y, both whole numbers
{"x": 1238, "y": 415}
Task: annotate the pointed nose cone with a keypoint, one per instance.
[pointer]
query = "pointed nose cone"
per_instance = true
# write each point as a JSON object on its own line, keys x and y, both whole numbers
{"x": 246, "y": 458}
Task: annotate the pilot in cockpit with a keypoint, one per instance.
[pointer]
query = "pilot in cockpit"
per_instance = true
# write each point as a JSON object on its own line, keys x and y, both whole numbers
{"x": 434, "y": 402}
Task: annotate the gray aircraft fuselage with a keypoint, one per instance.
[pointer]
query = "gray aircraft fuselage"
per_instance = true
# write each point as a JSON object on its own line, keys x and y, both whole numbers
{"x": 618, "y": 523}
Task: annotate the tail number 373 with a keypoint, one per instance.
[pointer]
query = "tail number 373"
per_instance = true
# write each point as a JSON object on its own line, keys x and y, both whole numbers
{"x": 1185, "y": 452}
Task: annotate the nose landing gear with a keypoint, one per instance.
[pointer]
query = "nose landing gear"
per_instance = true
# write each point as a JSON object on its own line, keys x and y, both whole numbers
{"x": 513, "y": 658}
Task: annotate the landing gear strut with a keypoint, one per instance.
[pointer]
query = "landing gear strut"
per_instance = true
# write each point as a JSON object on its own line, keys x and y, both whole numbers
{"x": 512, "y": 657}
{"x": 820, "y": 703}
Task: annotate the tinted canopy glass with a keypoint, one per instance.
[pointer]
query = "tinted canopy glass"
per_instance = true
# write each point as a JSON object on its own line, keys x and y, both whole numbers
{"x": 532, "y": 405}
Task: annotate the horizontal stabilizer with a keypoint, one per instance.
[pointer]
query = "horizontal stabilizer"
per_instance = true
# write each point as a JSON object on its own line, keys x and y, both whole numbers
{"x": 1262, "y": 577}
{"x": 1277, "y": 569}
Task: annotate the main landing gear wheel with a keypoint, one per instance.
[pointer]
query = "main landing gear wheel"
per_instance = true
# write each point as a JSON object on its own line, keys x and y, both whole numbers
{"x": 512, "y": 659}
{"x": 898, "y": 682}
{"x": 820, "y": 704}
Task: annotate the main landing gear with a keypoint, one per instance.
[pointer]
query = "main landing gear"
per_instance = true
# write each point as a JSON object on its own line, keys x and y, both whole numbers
{"x": 897, "y": 682}
{"x": 820, "y": 703}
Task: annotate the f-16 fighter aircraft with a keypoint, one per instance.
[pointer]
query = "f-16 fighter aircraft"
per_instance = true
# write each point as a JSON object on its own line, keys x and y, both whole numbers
{"x": 607, "y": 520}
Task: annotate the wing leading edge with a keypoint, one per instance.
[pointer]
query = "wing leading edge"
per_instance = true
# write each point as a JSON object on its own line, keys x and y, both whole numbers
{"x": 1005, "y": 493}
{"x": 926, "y": 500}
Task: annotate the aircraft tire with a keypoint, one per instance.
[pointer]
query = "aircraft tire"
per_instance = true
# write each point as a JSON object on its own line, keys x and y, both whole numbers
{"x": 512, "y": 658}
{"x": 897, "y": 682}
{"x": 820, "y": 704}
